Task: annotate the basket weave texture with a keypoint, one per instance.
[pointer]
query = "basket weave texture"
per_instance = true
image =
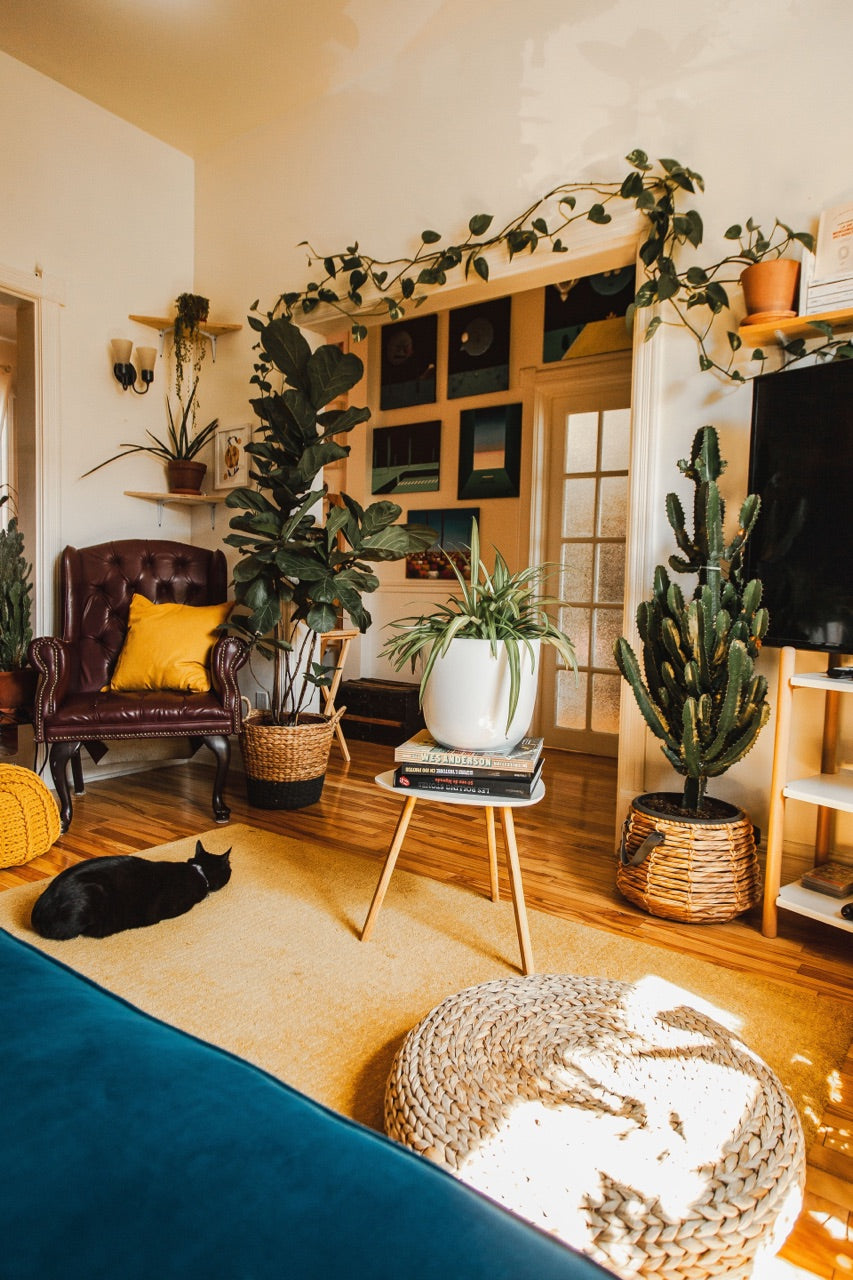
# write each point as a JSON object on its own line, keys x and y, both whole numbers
{"x": 613, "y": 1115}
{"x": 29, "y": 818}
{"x": 700, "y": 871}
{"x": 292, "y": 753}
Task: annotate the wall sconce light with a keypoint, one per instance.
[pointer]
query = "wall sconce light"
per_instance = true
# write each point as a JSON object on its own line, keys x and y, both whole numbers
{"x": 124, "y": 370}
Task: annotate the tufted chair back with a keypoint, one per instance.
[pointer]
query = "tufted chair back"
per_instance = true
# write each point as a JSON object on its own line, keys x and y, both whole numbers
{"x": 97, "y": 584}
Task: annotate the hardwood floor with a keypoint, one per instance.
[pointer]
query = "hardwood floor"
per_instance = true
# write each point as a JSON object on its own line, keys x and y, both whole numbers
{"x": 566, "y": 845}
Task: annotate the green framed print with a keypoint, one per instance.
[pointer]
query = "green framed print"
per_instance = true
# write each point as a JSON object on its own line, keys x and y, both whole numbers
{"x": 490, "y": 452}
{"x": 478, "y": 349}
{"x": 406, "y": 459}
{"x": 453, "y": 542}
{"x": 409, "y": 353}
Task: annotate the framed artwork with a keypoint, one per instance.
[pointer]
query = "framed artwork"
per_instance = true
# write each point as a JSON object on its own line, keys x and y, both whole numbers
{"x": 230, "y": 460}
{"x": 409, "y": 352}
{"x": 490, "y": 452}
{"x": 453, "y": 527}
{"x": 406, "y": 458}
{"x": 587, "y": 316}
{"x": 478, "y": 349}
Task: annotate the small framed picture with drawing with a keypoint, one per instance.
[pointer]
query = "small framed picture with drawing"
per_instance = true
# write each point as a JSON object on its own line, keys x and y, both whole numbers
{"x": 230, "y": 460}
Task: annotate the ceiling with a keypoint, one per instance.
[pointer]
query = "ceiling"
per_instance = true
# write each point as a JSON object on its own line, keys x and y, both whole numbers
{"x": 197, "y": 73}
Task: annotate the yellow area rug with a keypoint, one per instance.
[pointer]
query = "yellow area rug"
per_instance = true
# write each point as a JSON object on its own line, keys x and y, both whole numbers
{"x": 272, "y": 968}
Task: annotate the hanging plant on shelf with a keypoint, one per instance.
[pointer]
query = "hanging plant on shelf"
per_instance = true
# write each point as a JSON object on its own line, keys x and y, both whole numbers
{"x": 191, "y": 311}
{"x": 693, "y": 296}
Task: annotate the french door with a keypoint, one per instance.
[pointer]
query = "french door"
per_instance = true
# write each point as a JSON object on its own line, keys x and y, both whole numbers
{"x": 587, "y": 443}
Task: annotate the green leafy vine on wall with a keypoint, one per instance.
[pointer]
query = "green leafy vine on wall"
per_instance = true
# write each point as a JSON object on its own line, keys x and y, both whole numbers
{"x": 692, "y": 297}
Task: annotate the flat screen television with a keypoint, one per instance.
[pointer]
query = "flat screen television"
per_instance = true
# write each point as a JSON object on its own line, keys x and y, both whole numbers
{"x": 801, "y": 464}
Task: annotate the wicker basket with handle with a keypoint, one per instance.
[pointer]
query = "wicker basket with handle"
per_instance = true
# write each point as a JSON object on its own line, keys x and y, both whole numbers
{"x": 685, "y": 868}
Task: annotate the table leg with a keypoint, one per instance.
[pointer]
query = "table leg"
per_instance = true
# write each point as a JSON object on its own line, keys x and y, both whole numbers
{"x": 388, "y": 869}
{"x": 493, "y": 854}
{"x": 520, "y": 909}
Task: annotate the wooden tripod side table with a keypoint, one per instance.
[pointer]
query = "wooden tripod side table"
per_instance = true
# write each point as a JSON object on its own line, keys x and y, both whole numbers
{"x": 504, "y": 806}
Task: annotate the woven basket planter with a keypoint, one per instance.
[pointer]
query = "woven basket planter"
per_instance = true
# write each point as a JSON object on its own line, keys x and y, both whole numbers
{"x": 286, "y": 764}
{"x": 696, "y": 870}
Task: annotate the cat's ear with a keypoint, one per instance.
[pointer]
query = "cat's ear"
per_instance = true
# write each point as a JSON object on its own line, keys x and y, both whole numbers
{"x": 226, "y": 855}
{"x": 199, "y": 848}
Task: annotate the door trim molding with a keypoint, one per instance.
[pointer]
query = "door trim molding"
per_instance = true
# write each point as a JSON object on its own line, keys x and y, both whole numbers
{"x": 47, "y": 294}
{"x": 639, "y": 551}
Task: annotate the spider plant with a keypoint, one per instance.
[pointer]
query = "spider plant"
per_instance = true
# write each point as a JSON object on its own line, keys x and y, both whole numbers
{"x": 179, "y": 445}
{"x": 497, "y": 606}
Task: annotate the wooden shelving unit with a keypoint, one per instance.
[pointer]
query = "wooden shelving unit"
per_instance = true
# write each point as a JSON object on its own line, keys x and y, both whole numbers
{"x": 757, "y": 335}
{"x": 830, "y": 790}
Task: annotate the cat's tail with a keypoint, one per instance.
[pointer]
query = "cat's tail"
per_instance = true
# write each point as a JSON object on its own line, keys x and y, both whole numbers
{"x": 60, "y": 917}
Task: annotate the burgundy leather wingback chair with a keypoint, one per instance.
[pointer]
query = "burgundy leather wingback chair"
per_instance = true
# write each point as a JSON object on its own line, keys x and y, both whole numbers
{"x": 71, "y": 710}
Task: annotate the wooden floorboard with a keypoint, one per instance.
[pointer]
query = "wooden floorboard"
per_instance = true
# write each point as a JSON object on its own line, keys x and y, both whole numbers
{"x": 566, "y": 845}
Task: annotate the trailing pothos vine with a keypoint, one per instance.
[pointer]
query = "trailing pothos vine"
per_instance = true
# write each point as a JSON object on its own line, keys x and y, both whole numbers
{"x": 359, "y": 285}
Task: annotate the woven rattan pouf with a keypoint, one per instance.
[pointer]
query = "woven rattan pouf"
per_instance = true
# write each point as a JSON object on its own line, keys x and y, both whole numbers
{"x": 29, "y": 818}
{"x": 611, "y": 1114}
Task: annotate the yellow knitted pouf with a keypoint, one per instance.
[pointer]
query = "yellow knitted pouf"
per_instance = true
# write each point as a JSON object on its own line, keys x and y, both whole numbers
{"x": 29, "y": 817}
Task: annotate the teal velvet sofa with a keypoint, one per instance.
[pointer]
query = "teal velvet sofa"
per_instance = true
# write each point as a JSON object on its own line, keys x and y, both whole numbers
{"x": 132, "y": 1151}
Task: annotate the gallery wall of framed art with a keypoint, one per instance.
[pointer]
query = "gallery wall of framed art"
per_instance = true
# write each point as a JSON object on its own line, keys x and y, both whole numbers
{"x": 451, "y": 432}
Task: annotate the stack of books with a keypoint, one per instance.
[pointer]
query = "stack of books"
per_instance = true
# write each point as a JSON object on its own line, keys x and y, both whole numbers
{"x": 423, "y": 763}
{"x": 834, "y": 878}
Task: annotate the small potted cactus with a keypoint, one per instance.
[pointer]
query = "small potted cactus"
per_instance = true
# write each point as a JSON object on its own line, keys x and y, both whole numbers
{"x": 689, "y": 856}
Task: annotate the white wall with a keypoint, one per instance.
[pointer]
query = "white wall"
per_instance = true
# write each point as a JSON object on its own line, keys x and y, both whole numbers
{"x": 106, "y": 212}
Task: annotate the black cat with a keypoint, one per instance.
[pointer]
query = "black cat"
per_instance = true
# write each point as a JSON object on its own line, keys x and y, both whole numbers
{"x": 106, "y": 895}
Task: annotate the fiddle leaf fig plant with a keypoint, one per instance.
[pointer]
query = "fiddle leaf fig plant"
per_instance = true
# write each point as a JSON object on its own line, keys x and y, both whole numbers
{"x": 697, "y": 688}
{"x": 689, "y": 294}
{"x": 298, "y": 566}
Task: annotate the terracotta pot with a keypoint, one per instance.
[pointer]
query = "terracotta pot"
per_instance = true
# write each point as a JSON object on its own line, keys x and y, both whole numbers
{"x": 770, "y": 290}
{"x": 17, "y": 694}
{"x": 185, "y": 476}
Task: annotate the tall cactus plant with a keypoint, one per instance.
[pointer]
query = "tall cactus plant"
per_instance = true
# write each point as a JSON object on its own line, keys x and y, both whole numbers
{"x": 698, "y": 690}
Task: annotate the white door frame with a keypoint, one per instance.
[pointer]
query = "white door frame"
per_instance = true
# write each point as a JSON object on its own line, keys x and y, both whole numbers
{"x": 48, "y": 297}
{"x": 645, "y": 375}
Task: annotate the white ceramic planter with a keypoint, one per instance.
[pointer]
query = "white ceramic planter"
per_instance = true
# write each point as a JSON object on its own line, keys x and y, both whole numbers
{"x": 467, "y": 697}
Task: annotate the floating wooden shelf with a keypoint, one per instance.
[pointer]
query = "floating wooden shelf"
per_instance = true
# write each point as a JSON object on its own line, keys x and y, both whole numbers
{"x": 757, "y": 335}
{"x": 212, "y": 500}
{"x": 211, "y": 329}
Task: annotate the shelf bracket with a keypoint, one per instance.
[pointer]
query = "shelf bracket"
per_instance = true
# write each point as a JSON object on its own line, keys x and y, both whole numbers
{"x": 211, "y": 337}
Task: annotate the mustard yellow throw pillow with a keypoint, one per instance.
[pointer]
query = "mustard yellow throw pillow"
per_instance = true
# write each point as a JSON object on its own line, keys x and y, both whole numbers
{"x": 167, "y": 646}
